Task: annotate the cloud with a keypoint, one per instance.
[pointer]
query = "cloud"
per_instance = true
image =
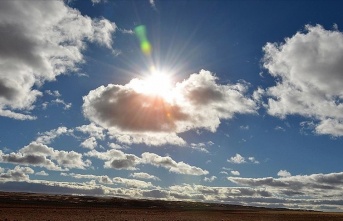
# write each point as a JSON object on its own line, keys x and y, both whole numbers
{"x": 264, "y": 192}
{"x": 93, "y": 130}
{"x": 38, "y": 154}
{"x": 48, "y": 136}
{"x": 235, "y": 173}
{"x": 153, "y": 4}
{"x": 144, "y": 176}
{"x": 210, "y": 179}
{"x": 171, "y": 165}
{"x": 39, "y": 41}
{"x": 119, "y": 160}
{"x": 89, "y": 143}
{"x": 132, "y": 116}
{"x": 284, "y": 173}
{"x": 238, "y": 159}
{"x": 16, "y": 174}
{"x": 55, "y": 93}
{"x": 309, "y": 70}
{"x": 116, "y": 159}
{"x": 100, "y": 179}
{"x": 312, "y": 186}
{"x": 57, "y": 101}
{"x": 200, "y": 147}
{"x": 132, "y": 182}
{"x": 42, "y": 173}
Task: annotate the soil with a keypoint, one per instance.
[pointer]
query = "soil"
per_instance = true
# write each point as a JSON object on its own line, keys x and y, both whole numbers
{"x": 28, "y": 206}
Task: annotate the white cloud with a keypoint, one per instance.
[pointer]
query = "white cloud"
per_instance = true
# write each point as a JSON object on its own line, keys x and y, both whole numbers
{"x": 239, "y": 159}
{"x": 65, "y": 105}
{"x": 284, "y": 173}
{"x": 100, "y": 179}
{"x": 315, "y": 186}
{"x": 38, "y": 154}
{"x": 145, "y": 176}
{"x": 53, "y": 93}
{"x": 39, "y": 41}
{"x": 242, "y": 127}
{"x": 210, "y": 179}
{"x": 171, "y": 165}
{"x": 152, "y": 3}
{"x": 48, "y": 136}
{"x": 224, "y": 172}
{"x": 199, "y": 147}
{"x": 253, "y": 160}
{"x": 89, "y": 143}
{"x": 93, "y": 130}
{"x": 235, "y": 172}
{"x": 197, "y": 102}
{"x": 309, "y": 70}
{"x": 42, "y": 173}
{"x": 16, "y": 174}
{"x": 116, "y": 159}
{"x": 291, "y": 192}
{"x": 132, "y": 182}
{"x": 119, "y": 160}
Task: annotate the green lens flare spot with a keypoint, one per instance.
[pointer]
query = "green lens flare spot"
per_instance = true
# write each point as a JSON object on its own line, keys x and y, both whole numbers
{"x": 146, "y": 48}
{"x": 140, "y": 32}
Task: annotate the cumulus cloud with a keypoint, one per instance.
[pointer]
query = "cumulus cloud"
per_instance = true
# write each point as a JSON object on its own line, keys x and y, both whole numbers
{"x": 93, "y": 130}
{"x": 89, "y": 143}
{"x": 309, "y": 70}
{"x": 116, "y": 159}
{"x": 199, "y": 102}
{"x": 100, "y": 179}
{"x": 263, "y": 192}
{"x": 38, "y": 154}
{"x": 119, "y": 160}
{"x": 239, "y": 159}
{"x": 313, "y": 186}
{"x": 210, "y": 179}
{"x": 284, "y": 173}
{"x": 171, "y": 165}
{"x": 39, "y": 41}
{"x": 132, "y": 182}
{"x": 48, "y": 136}
{"x": 16, "y": 174}
{"x": 42, "y": 173}
{"x": 235, "y": 172}
{"x": 144, "y": 176}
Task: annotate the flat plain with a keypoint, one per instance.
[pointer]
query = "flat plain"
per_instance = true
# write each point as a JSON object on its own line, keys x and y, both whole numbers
{"x": 29, "y": 206}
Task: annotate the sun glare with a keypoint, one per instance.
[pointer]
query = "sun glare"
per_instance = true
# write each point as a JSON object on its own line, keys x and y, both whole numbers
{"x": 156, "y": 83}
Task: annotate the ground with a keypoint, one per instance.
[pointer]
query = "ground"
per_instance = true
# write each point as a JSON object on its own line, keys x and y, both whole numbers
{"x": 27, "y": 206}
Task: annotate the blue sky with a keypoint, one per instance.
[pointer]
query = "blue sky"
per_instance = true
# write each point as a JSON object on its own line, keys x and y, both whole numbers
{"x": 251, "y": 111}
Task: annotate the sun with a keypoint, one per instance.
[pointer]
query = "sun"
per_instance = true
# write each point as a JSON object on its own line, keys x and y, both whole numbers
{"x": 156, "y": 83}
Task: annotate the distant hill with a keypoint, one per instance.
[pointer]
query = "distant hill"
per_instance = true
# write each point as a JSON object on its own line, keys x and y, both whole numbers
{"x": 37, "y": 199}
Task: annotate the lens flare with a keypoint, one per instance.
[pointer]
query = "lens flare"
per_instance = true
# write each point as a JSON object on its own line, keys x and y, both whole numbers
{"x": 140, "y": 32}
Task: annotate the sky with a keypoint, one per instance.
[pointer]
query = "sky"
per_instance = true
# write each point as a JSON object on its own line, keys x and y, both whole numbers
{"x": 237, "y": 102}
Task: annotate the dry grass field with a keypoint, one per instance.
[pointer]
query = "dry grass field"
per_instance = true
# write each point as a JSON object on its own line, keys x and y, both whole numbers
{"x": 24, "y": 206}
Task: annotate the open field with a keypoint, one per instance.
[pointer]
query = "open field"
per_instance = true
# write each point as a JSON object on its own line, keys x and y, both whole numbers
{"x": 24, "y": 206}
